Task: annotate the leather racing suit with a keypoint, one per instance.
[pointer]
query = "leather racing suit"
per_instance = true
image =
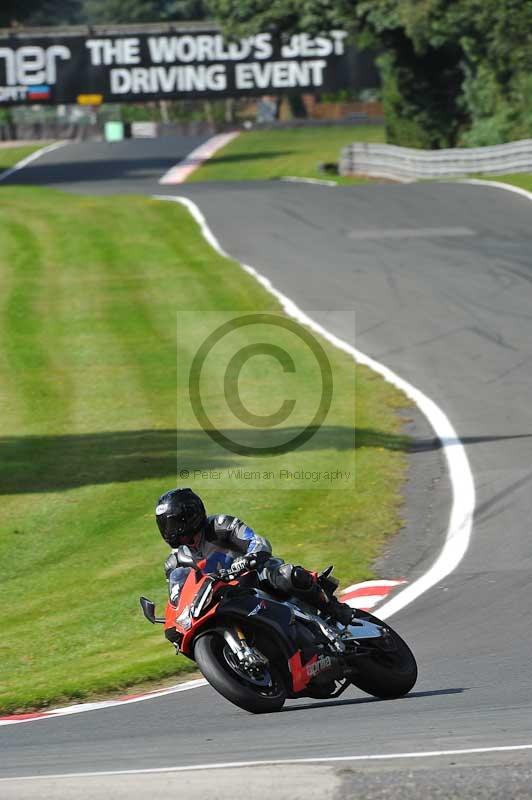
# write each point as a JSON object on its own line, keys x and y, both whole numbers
{"x": 225, "y": 538}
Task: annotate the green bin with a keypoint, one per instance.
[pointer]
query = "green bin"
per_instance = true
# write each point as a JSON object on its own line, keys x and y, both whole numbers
{"x": 114, "y": 131}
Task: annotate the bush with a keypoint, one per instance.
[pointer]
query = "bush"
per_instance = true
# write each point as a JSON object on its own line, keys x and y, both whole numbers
{"x": 420, "y": 96}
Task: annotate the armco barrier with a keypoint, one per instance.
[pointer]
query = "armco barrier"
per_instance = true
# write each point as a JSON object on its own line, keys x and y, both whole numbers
{"x": 144, "y": 130}
{"x": 390, "y": 161}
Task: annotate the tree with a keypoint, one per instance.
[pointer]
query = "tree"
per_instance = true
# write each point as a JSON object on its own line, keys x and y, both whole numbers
{"x": 450, "y": 68}
{"x": 13, "y": 11}
{"x": 131, "y": 11}
{"x": 94, "y": 12}
{"x": 120, "y": 11}
{"x": 420, "y": 79}
{"x": 40, "y": 12}
{"x": 496, "y": 41}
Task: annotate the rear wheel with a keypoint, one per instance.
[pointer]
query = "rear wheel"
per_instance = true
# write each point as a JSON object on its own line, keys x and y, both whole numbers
{"x": 218, "y": 665}
{"x": 391, "y": 670}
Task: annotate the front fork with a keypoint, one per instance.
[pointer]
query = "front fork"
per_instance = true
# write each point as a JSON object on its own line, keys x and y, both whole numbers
{"x": 248, "y": 657}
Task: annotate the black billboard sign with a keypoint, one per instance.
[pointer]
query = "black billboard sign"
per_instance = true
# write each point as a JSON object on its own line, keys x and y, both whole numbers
{"x": 166, "y": 64}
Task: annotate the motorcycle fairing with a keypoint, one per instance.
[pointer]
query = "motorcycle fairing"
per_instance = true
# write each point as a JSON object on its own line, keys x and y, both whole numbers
{"x": 303, "y": 673}
{"x": 365, "y": 629}
{"x": 279, "y": 618}
{"x": 179, "y": 618}
{"x": 267, "y": 613}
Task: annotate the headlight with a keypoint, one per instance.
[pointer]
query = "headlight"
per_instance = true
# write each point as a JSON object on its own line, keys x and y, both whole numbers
{"x": 183, "y": 620}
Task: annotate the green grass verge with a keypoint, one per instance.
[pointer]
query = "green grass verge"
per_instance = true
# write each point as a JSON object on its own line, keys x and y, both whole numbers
{"x": 88, "y": 389}
{"x": 272, "y": 154}
{"x": 9, "y": 156}
{"x": 521, "y": 179}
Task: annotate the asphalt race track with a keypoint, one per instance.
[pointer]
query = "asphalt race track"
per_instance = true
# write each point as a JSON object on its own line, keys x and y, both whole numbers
{"x": 440, "y": 276}
{"x": 131, "y": 166}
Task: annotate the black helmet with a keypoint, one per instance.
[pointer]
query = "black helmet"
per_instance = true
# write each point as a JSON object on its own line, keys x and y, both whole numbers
{"x": 180, "y": 514}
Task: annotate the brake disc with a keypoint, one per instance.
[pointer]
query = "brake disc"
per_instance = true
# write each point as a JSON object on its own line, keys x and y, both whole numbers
{"x": 264, "y": 679}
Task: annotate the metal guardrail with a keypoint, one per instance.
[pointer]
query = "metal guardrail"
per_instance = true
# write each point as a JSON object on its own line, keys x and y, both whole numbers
{"x": 144, "y": 130}
{"x": 390, "y": 161}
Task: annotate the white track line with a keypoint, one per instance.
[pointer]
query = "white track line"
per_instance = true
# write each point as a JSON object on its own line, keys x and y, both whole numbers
{"x": 32, "y": 157}
{"x": 281, "y": 762}
{"x": 365, "y": 603}
{"x": 180, "y": 172}
{"x": 314, "y": 181}
{"x": 79, "y": 708}
{"x": 499, "y": 185}
{"x": 463, "y": 489}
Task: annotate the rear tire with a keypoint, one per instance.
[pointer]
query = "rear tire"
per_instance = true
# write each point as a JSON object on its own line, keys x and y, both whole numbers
{"x": 388, "y": 673}
{"x": 208, "y": 654}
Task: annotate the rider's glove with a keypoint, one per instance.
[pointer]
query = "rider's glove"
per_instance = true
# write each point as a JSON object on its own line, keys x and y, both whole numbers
{"x": 241, "y": 564}
{"x": 259, "y": 559}
{"x": 170, "y": 564}
{"x": 244, "y": 563}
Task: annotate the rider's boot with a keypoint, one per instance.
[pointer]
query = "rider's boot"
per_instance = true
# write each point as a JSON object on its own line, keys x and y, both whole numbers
{"x": 301, "y": 582}
{"x": 340, "y": 612}
{"x": 316, "y": 596}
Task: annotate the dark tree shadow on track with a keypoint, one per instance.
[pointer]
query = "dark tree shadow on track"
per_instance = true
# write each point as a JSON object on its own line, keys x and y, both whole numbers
{"x": 363, "y": 700}
{"x": 115, "y": 168}
{"x": 424, "y": 445}
{"x": 122, "y": 169}
{"x": 55, "y": 463}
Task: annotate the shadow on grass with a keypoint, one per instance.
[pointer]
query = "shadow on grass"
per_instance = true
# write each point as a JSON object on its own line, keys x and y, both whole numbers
{"x": 234, "y": 159}
{"x": 54, "y": 463}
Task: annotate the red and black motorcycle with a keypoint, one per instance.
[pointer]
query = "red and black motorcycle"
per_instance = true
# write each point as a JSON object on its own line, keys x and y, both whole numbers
{"x": 258, "y": 649}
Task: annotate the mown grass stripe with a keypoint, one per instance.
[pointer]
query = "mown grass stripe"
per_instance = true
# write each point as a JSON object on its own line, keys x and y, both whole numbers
{"x": 28, "y": 347}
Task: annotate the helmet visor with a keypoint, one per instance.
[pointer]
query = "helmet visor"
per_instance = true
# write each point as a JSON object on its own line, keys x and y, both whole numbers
{"x": 178, "y": 530}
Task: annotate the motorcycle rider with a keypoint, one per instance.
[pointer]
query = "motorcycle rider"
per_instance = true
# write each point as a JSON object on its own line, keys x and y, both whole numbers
{"x": 229, "y": 544}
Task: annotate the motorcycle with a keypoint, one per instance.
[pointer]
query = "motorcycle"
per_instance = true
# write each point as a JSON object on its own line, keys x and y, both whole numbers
{"x": 258, "y": 649}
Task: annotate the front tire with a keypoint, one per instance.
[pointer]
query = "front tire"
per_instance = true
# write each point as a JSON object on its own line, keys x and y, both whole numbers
{"x": 386, "y": 674}
{"x": 209, "y": 656}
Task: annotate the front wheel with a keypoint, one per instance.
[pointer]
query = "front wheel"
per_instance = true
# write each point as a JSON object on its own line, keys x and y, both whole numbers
{"x": 391, "y": 670}
{"x": 213, "y": 657}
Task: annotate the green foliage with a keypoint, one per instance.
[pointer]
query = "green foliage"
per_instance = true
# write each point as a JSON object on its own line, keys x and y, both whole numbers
{"x": 119, "y": 11}
{"x": 40, "y": 12}
{"x": 419, "y": 108}
{"x": 496, "y": 39}
{"x": 185, "y": 9}
{"x": 94, "y": 12}
{"x": 453, "y": 70}
{"x": 131, "y": 11}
